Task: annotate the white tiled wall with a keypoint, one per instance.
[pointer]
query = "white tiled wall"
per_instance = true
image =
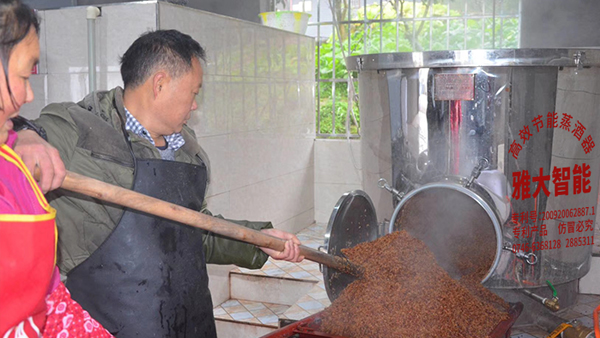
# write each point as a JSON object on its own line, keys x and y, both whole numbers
{"x": 337, "y": 170}
{"x": 255, "y": 116}
{"x": 255, "y": 120}
{"x": 256, "y": 108}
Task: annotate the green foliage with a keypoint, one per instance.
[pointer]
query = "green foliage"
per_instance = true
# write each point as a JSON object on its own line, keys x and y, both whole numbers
{"x": 388, "y": 37}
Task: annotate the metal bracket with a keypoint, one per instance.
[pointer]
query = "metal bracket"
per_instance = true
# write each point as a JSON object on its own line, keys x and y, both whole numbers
{"x": 483, "y": 164}
{"x": 321, "y": 248}
{"x": 579, "y": 59}
{"x": 528, "y": 257}
{"x": 383, "y": 184}
{"x": 360, "y": 62}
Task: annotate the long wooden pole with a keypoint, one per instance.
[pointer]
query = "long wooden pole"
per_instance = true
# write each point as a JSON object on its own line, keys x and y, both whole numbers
{"x": 134, "y": 200}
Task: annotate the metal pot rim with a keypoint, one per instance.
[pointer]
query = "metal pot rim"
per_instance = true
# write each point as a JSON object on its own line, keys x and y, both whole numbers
{"x": 470, "y": 193}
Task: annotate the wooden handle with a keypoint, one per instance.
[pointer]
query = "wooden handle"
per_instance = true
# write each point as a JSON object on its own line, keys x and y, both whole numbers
{"x": 134, "y": 200}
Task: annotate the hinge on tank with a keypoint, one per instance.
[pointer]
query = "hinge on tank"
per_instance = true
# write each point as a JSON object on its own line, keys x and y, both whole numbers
{"x": 359, "y": 63}
{"x": 579, "y": 59}
{"x": 483, "y": 164}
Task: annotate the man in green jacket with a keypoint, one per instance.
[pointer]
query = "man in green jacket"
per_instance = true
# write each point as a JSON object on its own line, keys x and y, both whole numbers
{"x": 140, "y": 276}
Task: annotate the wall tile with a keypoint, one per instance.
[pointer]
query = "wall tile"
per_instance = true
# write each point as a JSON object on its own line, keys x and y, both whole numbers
{"x": 217, "y": 203}
{"x": 43, "y": 64}
{"x": 109, "y": 80}
{"x": 339, "y": 161}
{"x": 218, "y": 282}
{"x": 306, "y": 59}
{"x": 212, "y": 116}
{"x": 299, "y": 222}
{"x": 66, "y": 40}
{"x": 277, "y": 54}
{"x": 277, "y": 101}
{"x": 116, "y": 31}
{"x": 234, "y": 39}
{"x": 289, "y": 113}
{"x": 218, "y": 149}
{"x": 236, "y": 107}
{"x": 66, "y": 35}
{"x": 276, "y": 200}
{"x": 263, "y": 104}
{"x": 248, "y": 52}
{"x": 291, "y": 45}
{"x": 38, "y": 85}
{"x": 263, "y": 52}
{"x": 67, "y": 87}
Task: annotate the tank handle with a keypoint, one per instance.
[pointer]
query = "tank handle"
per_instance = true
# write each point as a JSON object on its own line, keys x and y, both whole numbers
{"x": 383, "y": 184}
{"x": 483, "y": 164}
{"x": 529, "y": 257}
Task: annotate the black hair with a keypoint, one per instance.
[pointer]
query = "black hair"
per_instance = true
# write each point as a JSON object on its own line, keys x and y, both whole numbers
{"x": 16, "y": 19}
{"x": 170, "y": 49}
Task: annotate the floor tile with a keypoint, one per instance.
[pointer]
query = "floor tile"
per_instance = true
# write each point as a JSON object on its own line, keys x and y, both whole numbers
{"x": 230, "y": 303}
{"x": 536, "y": 332}
{"x": 568, "y": 314}
{"x": 279, "y": 309}
{"x": 251, "y": 306}
{"x": 219, "y": 311}
{"x": 296, "y": 315}
{"x": 274, "y": 272}
{"x": 301, "y": 274}
{"x": 310, "y": 305}
{"x": 235, "y": 309}
{"x": 224, "y": 317}
{"x": 584, "y": 309}
{"x": 584, "y": 299}
{"x": 262, "y": 313}
{"x": 272, "y": 319}
{"x": 241, "y": 315}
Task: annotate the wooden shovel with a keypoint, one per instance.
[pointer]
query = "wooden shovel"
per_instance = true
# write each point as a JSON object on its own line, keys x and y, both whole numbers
{"x": 150, "y": 205}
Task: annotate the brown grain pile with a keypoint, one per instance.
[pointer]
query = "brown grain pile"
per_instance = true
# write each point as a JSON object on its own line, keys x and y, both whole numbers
{"x": 405, "y": 293}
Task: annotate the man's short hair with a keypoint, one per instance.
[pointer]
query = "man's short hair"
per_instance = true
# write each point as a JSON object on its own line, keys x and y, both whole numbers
{"x": 167, "y": 49}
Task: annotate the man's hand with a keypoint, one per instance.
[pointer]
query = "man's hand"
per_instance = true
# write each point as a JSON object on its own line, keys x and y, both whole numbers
{"x": 35, "y": 152}
{"x": 291, "y": 253}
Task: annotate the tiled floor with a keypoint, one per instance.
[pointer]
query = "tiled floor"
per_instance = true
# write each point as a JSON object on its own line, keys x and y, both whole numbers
{"x": 316, "y": 300}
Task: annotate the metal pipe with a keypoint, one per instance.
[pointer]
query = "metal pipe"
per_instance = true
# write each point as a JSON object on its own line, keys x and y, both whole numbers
{"x": 550, "y": 303}
{"x": 92, "y": 14}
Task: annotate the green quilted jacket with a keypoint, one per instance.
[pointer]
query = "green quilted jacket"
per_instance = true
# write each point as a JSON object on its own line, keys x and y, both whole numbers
{"x": 78, "y": 131}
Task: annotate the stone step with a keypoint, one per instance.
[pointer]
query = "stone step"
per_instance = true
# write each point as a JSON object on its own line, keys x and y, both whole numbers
{"x": 277, "y": 290}
{"x": 245, "y": 318}
{"x": 235, "y": 329}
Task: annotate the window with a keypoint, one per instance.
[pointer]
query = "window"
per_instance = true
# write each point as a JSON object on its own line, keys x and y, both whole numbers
{"x": 384, "y": 26}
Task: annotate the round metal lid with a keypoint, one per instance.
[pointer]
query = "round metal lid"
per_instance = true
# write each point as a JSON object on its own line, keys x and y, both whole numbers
{"x": 476, "y": 58}
{"x": 459, "y": 225}
{"x": 352, "y": 221}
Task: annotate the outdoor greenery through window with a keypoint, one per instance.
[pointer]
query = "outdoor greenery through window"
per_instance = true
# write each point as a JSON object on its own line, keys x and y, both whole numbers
{"x": 385, "y": 26}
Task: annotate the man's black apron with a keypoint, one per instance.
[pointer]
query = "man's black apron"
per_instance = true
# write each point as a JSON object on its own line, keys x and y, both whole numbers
{"x": 148, "y": 279}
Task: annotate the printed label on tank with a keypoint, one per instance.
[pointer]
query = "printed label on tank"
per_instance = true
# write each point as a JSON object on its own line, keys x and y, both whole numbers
{"x": 455, "y": 87}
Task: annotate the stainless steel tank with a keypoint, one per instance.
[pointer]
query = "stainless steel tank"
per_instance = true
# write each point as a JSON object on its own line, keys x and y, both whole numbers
{"x": 491, "y": 155}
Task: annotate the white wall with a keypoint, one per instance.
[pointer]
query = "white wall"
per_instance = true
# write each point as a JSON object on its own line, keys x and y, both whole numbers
{"x": 256, "y": 108}
{"x": 337, "y": 171}
{"x": 256, "y": 121}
